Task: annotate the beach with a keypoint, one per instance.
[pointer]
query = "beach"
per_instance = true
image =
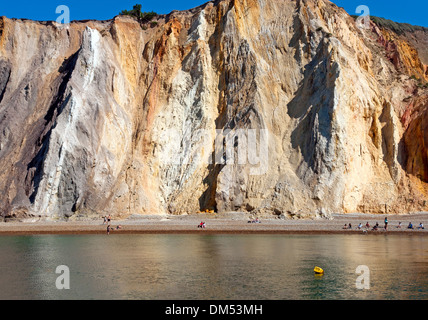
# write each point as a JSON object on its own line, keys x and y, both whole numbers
{"x": 230, "y": 223}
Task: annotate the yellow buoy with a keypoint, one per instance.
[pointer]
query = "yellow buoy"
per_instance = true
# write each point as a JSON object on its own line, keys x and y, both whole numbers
{"x": 318, "y": 270}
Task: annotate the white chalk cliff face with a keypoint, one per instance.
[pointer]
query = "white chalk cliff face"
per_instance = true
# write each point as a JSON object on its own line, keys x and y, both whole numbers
{"x": 269, "y": 106}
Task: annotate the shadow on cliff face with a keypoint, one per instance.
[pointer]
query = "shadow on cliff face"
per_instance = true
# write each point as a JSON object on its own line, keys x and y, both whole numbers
{"x": 414, "y": 147}
{"x": 312, "y": 106}
{"x": 43, "y": 130}
{"x": 5, "y": 69}
{"x": 208, "y": 199}
{"x": 299, "y": 38}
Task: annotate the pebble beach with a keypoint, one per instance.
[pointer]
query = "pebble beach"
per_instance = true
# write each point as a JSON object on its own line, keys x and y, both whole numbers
{"x": 232, "y": 223}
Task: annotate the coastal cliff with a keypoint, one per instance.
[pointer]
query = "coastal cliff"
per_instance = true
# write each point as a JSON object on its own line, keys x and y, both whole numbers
{"x": 265, "y": 106}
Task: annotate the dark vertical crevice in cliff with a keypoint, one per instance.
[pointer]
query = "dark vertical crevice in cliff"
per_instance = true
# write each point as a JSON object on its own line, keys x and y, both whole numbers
{"x": 58, "y": 105}
{"x": 5, "y": 70}
{"x": 45, "y": 127}
{"x": 402, "y": 153}
{"x": 208, "y": 199}
{"x": 1, "y": 27}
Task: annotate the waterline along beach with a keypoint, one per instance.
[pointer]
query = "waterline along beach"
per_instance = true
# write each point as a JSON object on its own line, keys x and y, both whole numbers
{"x": 232, "y": 223}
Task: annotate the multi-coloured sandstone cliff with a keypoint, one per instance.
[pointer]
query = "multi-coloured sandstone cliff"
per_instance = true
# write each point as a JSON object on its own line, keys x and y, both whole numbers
{"x": 271, "y": 106}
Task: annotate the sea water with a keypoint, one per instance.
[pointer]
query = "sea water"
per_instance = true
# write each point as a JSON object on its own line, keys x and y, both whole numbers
{"x": 235, "y": 267}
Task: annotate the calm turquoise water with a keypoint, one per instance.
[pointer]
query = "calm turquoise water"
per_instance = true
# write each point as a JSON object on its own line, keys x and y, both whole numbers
{"x": 214, "y": 266}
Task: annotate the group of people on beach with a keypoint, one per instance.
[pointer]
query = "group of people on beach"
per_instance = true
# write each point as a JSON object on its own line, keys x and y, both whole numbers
{"x": 202, "y": 225}
{"x": 256, "y": 220}
{"x": 410, "y": 226}
{"x": 376, "y": 226}
{"x": 107, "y": 220}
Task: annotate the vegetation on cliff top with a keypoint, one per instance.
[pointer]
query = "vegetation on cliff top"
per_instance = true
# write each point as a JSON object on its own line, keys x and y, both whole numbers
{"x": 398, "y": 27}
{"x": 136, "y": 12}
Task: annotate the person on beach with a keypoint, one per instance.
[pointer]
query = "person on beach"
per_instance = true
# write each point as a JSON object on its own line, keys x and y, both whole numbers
{"x": 345, "y": 226}
{"x": 201, "y": 225}
{"x": 108, "y": 229}
{"x": 350, "y": 226}
{"x": 421, "y": 226}
{"x": 375, "y": 227}
{"x": 367, "y": 225}
{"x": 386, "y": 223}
{"x": 360, "y": 226}
{"x": 256, "y": 220}
{"x": 105, "y": 219}
{"x": 410, "y": 226}
{"x": 399, "y": 225}
{"x": 108, "y": 219}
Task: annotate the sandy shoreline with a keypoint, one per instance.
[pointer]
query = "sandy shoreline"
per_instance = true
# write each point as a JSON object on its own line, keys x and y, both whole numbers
{"x": 225, "y": 224}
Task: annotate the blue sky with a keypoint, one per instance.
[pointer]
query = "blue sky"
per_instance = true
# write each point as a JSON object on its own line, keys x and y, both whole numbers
{"x": 410, "y": 11}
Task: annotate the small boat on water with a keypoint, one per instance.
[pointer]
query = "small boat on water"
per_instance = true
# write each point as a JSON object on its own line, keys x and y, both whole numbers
{"x": 318, "y": 270}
